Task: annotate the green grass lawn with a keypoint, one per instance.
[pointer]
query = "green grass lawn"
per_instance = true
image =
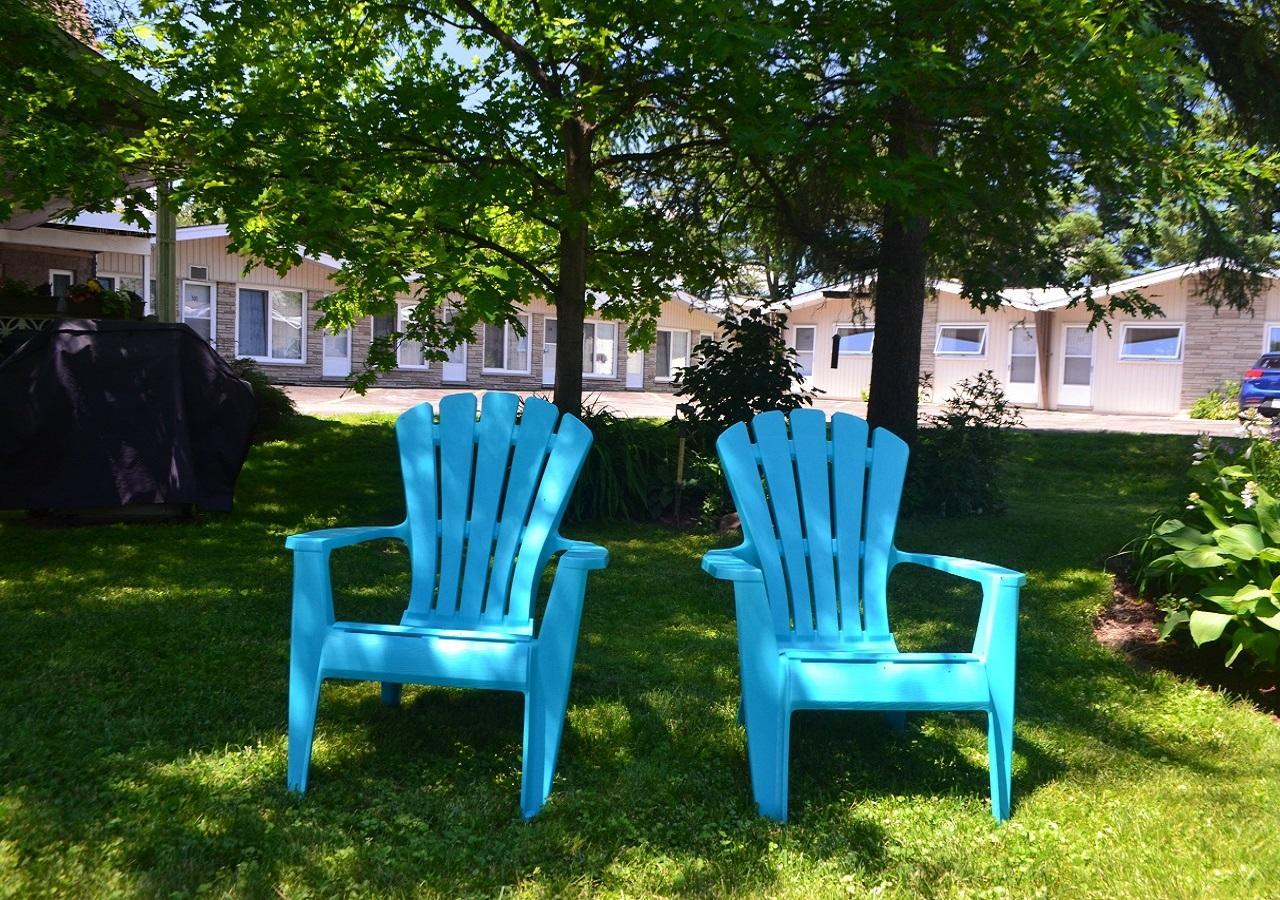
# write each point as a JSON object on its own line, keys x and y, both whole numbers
{"x": 142, "y": 750}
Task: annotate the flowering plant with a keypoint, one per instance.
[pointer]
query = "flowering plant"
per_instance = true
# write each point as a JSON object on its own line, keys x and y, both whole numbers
{"x": 114, "y": 304}
{"x": 1217, "y": 566}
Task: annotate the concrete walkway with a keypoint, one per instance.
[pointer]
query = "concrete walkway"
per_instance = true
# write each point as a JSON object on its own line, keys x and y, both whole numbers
{"x": 332, "y": 401}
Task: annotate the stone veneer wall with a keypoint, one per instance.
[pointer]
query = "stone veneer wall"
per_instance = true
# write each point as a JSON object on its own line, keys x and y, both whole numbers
{"x": 1218, "y": 345}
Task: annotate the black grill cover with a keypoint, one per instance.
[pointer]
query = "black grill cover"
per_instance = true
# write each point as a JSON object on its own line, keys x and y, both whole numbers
{"x": 98, "y": 413}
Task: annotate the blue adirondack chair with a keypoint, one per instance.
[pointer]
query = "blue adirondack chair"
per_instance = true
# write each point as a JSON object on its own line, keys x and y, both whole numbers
{"x": 818, "y": 512}
{"x": 484, "y": 499}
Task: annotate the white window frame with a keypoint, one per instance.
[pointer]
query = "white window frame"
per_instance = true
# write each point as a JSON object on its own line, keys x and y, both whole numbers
{"x": 213, "y": 307}
{"x": 402, "y": 310}
{"x": 1266, "y": 337}
{"x": 71, "y": 279}
{"x": 962, "y": 354}
{"x": 1132, "y": 357}
{"x": 115, "y": 279}
{"x": 613, "y": 373}
{"x": 528, "y": 336}
{"x": 865, "y": 326}
{"x": 271, "y": 360}
{"x": 688, "y": 351}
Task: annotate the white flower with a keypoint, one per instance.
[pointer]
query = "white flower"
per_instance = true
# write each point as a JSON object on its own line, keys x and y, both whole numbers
{"x": 1249, "y": 496}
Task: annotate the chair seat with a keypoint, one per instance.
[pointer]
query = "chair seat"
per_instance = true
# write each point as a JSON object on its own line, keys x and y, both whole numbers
{"x": 415, "y": 655}
{"x": 887, "y": 680}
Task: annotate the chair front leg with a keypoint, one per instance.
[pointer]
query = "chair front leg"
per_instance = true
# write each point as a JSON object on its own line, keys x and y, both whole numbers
{"x": 765, "y": 706}
{"x": 312, "y": 615}
{"x": 547, "y": 698}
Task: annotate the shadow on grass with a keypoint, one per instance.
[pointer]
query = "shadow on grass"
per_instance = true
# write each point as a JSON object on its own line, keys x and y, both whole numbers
{"x": 149, "y": 694}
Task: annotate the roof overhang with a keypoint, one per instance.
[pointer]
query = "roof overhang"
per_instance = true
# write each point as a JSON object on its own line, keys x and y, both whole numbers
{"x": 95, "y": 241}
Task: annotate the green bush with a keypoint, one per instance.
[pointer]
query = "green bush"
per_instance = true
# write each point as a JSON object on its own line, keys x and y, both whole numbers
{"x": 956, "y": 465}
{"x": 1218, "y": 403}
{"x": 274, "y": 406}
{"x": 1215, "y": 568}
{"x": 630, "y": 471}
{"x": 749, "y": 370}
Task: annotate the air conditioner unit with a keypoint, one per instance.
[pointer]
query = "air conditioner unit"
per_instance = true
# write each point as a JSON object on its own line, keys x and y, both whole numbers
{"x": 199, "y": 273}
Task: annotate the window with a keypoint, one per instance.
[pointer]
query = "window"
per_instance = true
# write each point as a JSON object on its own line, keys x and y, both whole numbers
{"x": 803, "y": 338}
{"x": 384, "y": 324}
{"x": 599, "y": 346}
{"x": 1272, "y": 343}
{"x": 505, "y": 350}
{"x": 60, "y": 282}
{"x": 1151, "y": 342}
{"x": 269, "y": 324}
{"x": 410, "y": 354}
{"x": 961, "y": 340}
{"x": 855, "y": 340}
{"x": 121, "y": 283}
{"x": 672, "y": 353}
{"x": 197, "y": 308}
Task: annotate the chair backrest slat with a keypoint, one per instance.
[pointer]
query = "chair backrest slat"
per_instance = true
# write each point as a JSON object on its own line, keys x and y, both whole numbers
{"x": 742, "y": 472}
{"x": 568, "y": 451}
{"x": 493, "y": 457}
{"x": 819, "y": 510}
{"x": 484, "y": 500}
{"x": 533, "y": 437}
{"x": 780, "y": 477}
{"x": 457, "y": 458}
{"x": 884, "y": 493}
{"x": 809, "y": 436}
{"x": 417, "y": 438}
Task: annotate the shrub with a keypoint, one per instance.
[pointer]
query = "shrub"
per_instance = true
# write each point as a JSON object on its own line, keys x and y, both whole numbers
{"x": 274, "y": 406}
{"x": 957, "y": 462}
{"x": 630, "y": 471}
{"x": 748, "y": 371}
{"x": 1215, "y": 568}
{"x": 1218, "y": 403}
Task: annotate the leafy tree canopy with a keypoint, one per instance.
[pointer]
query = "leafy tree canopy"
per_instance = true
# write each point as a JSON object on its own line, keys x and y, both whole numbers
{"x": 476, "y": 153}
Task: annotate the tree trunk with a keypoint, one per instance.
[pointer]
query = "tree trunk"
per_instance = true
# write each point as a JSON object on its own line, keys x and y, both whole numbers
{"x": 571, "y": 289}
{"x": 900, "y": 292}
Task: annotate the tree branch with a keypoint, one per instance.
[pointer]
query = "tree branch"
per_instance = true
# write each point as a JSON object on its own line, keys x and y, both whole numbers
{"x": 522, "y": 54}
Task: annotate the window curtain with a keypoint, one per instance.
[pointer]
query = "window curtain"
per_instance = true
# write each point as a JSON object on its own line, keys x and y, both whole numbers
{"x": 252, "y": 335}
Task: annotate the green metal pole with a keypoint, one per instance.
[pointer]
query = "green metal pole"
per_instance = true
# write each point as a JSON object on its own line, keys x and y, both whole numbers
{"x": 166, "y": 299}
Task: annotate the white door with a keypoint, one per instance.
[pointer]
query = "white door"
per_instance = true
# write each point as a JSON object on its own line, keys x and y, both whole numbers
{"x": 1077, "y": 367}
{"x": 803, "y": 339}
{"x": 549, "y": 334}
{"x": 337, "y": 355}
{"x": 1024, "y": 374}
{"x": 635, "y": 370}
{"x": 454, "y": 369}
{"x": 197, "y": 308}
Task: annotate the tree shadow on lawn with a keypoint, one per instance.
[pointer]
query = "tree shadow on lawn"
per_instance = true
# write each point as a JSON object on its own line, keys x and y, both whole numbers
{"x": 151, "y": 733}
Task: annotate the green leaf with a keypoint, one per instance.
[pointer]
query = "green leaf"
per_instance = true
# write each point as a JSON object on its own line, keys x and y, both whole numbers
{"x": 1182, "y": 536}
{"x": 1172, "y": 621}
{"x": 1200, "y": 558}
{"x": 1269, "y": 514}
{"x": 1241, "y": 541}
{"x": 1272, "y": 621}
{"x": 1208, "y": 626}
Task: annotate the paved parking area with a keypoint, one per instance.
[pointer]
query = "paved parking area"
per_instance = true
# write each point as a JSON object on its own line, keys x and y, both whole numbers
{"x": 332, "y": 401}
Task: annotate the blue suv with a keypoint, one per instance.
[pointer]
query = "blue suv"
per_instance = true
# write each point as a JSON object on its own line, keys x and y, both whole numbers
{"x": 1260, "y": 387}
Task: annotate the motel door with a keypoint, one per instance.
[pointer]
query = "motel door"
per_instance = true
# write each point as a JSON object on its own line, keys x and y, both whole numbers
{"x": 1024, "y": 377}
{"x": 1077, "y": 367}
{"x": 337, "y": 355}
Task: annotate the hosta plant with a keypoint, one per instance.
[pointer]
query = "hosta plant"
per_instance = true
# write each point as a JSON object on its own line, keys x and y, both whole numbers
{"x": 1217, "y": 566}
